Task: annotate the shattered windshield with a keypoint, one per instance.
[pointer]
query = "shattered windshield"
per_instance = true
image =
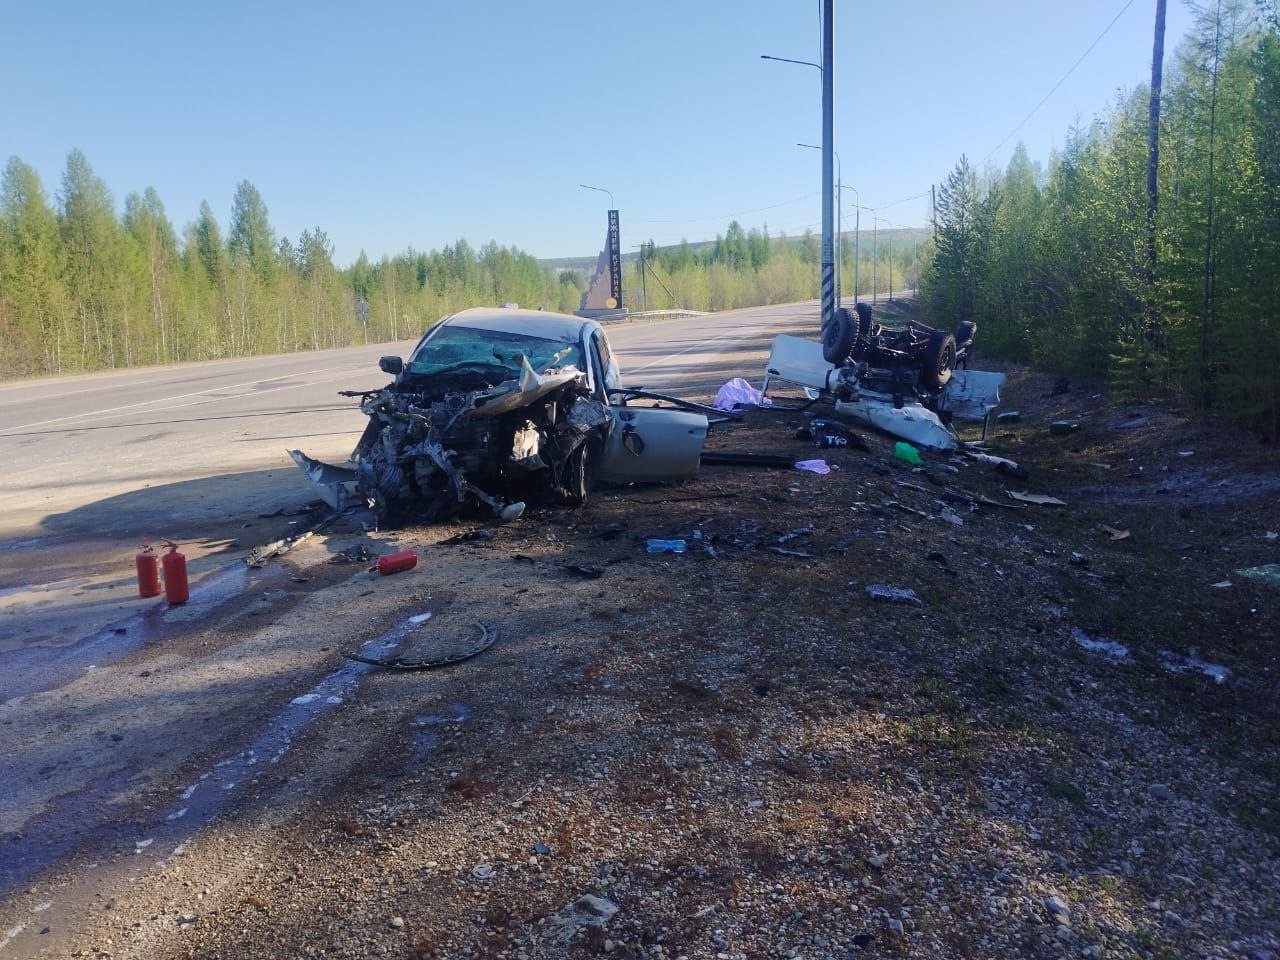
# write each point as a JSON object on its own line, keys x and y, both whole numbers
{"x": 457, "y": 346}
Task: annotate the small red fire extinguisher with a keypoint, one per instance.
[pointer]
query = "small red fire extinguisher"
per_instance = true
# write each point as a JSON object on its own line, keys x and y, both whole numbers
{"x": 148, "y": 565}
{"x": 395, "y": 562}
{"x": 175, "y": 575}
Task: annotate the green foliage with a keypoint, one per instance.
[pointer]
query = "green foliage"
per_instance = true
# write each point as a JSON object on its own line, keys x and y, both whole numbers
{"x": 1050, "y": 263}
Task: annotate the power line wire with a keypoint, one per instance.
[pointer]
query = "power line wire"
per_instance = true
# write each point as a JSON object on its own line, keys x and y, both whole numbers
{"x": 1061, "y": 80}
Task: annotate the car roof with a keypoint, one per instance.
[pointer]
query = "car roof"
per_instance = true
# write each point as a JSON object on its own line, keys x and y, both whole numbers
{"x": 536, "y": 323}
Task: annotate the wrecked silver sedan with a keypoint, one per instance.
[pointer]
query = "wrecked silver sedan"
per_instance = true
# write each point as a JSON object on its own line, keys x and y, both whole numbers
{"x": 498, "y": 408}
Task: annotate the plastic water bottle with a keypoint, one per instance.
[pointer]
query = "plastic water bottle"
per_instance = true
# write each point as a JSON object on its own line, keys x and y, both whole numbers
{"x": 665, "y": 546}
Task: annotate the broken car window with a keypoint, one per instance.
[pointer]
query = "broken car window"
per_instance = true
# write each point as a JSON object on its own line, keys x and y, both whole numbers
{"x": 457, "y": 346}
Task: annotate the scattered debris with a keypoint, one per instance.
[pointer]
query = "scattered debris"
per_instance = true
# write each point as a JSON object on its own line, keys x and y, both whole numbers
{"x": 259, "y": 556}
{"x": 792, "y": 553}
{"x": 1062, "y": 428}
{"x": 1078, "y": 559}
{"x": 360, "y": 553}
{"x": 1115, "y": 533}
{"x": 470, "y": 536}
{"x": 795, "y": 534}
{"x": 1186, "y": 453}
{"x": 739, "y": 393}
{"x": 829, "y": 435}
{"x": 588, "y": 570}
{"x": 587, "y": 912}
{"x": 665, "y": 546}
{"x": 1108, "y": 648}
{"x": 813, "y": 466}
{"x": 1009, "y": 416}
{"x": 483, "y": 871}
{"x": 1221, "y": 584}
{"x": 1268, "y": 574}
{"x": 887, "y": 594}
{"x": 1003, "y": 465}
{"x": 488, "y": 635}
{"x": 1037, "y": 498}
{"x": 951, "y": 516}
{"x": 1134, "y": 421}
{"x": 1177, "y": 663}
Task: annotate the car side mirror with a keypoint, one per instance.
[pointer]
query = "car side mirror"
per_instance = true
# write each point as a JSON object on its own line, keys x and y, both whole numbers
{"x": 391, "y": 365}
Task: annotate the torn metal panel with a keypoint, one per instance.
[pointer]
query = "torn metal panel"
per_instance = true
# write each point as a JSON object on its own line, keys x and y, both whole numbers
{"x": 335, "y": 484}
{"x": 912, "y": 422}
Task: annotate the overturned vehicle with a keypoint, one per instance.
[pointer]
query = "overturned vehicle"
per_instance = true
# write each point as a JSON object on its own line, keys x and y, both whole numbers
{"x": 499, "y": 408}
{"x": 909, "y": 382}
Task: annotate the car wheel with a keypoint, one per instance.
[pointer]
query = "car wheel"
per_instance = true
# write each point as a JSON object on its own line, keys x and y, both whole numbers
{"x": 938, "y": 361}
{"x": 838, "y": 337}
{"x": 580, "y": 476}
{"x": 966, "y": 330}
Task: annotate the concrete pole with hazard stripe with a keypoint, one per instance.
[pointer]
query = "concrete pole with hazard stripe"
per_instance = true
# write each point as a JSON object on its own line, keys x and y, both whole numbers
{"x": 828, "y": 150}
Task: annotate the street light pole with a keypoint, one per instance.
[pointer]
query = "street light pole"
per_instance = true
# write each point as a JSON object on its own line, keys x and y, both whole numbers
{"x": 857, "y": 233}
{"x": 828, "y": 69}
{"x": 612, "y": 205}
{"x": 828, "y": 148}
{"x": 839, "y": 222}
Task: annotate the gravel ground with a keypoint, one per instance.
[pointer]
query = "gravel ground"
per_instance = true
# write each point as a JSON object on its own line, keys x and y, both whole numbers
{"x": 738, "y": 753}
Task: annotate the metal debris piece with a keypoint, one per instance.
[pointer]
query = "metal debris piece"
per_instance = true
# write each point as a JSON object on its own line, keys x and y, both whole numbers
{"x": 488, "y": 634}
{"x": 470, "y": 536}
{"x": 1036, "y": 498}
{"x": 588, "y": 570}
{"x": 887, "y": 594}
{"x": 792, "y": 553}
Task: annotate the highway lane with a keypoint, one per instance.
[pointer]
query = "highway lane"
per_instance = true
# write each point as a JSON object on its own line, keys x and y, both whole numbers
{"x": 91, "y": 464}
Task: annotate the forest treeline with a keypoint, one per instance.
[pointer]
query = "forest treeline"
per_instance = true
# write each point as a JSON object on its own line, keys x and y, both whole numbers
{"x": 1052, "y": 262}
{"x": 85, "y": 287}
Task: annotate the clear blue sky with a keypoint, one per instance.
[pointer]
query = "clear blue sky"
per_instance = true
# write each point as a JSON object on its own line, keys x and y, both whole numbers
{"x": 392, "y": 123}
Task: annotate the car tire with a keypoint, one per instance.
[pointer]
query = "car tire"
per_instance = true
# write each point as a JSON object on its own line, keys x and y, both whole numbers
{"x": 838, "y": 337}
{"x": 938, "y": 361}
{"x": 580, "y": 476}
{"x": 966, "y": 330}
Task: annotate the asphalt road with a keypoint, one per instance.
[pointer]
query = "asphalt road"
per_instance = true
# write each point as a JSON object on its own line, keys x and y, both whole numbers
{"x": 196, "y": 452}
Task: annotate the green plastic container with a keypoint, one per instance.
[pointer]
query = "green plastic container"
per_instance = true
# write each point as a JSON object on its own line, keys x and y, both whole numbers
{"x": 907, "y": 454}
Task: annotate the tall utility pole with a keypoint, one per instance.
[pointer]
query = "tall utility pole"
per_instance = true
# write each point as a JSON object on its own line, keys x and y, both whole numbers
{"x": 933, "y": 202}
{"x": 828, "y": 148}
{"x": 1153, "y": 163}
{"x": 839, "y": 223}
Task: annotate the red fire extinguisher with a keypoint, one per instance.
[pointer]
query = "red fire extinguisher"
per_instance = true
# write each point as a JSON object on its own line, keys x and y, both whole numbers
{"x": 175, "y": 575}
{"x": 148, "y": 565}
{"x": 395, "y": 562}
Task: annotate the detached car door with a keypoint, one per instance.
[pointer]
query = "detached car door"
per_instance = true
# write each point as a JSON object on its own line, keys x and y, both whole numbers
{"x": 645, "y": 443}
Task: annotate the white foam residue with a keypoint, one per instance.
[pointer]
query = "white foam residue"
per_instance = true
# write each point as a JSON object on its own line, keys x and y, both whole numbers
{"x": 420, "y": 618}
{"x": 42, "y": 907}
{"x": 186, "y": 794}
{"x": 305, "y": 699}
{"x": 177, "y": 814}
{"x": 333, "y": 701}
{"x": 180, "y": 850}
{"x": 143, "y": 844}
